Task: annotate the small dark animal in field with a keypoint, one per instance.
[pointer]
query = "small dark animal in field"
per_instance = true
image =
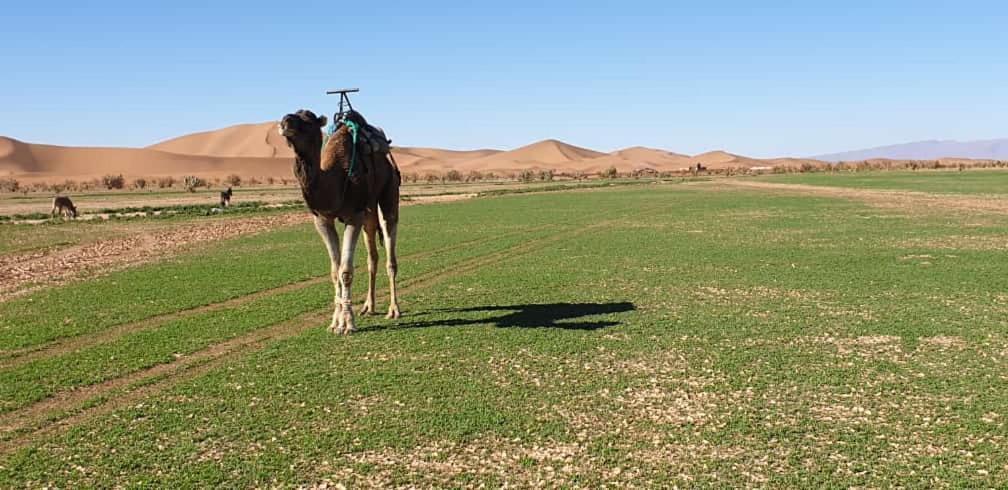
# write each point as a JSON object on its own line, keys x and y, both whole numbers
{"x": 64, "y": 206}
{"x": 225, "y": 198}
{"x": 699, "y": 168}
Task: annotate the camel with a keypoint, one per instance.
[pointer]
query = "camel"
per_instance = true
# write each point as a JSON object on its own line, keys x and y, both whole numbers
{"x": 64, "y": 206}
{"x": 362, "y": 194}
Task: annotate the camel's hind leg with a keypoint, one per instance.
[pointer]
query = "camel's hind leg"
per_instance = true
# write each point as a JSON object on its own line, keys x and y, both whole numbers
{"x": 370, "y": 229}
{"x": 327, "y": 230}
{"x": 389, "y": 206}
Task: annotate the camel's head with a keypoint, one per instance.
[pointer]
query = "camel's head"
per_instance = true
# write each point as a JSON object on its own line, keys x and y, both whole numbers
{"x": 302, "y": 127}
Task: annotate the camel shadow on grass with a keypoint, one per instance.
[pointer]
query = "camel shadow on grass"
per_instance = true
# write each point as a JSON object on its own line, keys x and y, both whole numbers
{"x": 563, "y": 316}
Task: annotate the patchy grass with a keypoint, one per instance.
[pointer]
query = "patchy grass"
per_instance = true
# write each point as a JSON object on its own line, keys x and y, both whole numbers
{"x": 637, "y": 337}
{"x": 942, "y": 182}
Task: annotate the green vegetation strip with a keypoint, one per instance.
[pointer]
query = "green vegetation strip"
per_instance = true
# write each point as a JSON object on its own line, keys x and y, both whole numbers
{"x": 940, "y": 182}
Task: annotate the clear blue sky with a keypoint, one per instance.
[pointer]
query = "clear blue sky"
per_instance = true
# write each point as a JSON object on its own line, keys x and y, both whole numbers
{"x": 779, "y": 78}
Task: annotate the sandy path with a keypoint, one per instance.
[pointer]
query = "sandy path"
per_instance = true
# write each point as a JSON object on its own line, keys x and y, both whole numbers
{"x": 891, "y": 199}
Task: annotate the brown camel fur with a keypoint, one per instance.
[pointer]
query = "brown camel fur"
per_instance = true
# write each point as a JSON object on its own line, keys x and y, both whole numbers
{"x": 363, "y": 201}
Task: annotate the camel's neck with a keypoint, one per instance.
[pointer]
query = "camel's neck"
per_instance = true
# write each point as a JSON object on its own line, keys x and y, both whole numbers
{"x": 307, "y": 158}
{"x": 321, "y": 190}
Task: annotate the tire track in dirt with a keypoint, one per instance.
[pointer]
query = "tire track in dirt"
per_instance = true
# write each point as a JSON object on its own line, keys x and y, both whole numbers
{"x": 15, "y": 358}
{"x": 66, "y": 409}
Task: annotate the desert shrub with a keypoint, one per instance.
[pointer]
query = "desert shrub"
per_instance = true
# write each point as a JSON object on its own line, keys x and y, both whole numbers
{"x": 40, "y": 187}
{"x": 453, "y": 176}
{"x": 253, "y": 181}
{"x": 140, "y": 183}
{"x": 489, "y": 176}
{"x": 474, "y": 176}
{"x": 526, "y": 175}
{"x": 546, "y": 175}
{"x": 9, "y": 184}
{"x": 431, "y": 178}
{"x": 269, "y": 180}
{"x": 113, "y": 181}
{"x": 233, "y": 180}
{"x": 610, "y": 173}
{"x": 165, "y": 182}
{"x": 192, "y": 182}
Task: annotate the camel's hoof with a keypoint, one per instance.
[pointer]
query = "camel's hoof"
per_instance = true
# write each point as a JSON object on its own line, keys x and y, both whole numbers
{"x": 348, "y": 326}
{"x": 367, "y": 310}
{"x": 393, "y": 313}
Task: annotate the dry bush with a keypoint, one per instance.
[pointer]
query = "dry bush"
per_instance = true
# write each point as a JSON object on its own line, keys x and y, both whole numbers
{"x": 609, "y": 173}
{"x": 253, "y": 181}
{"x": 526, "y": 176}
{"x": 270, "y": 180}
{"x": 9, "y": 184}
{"x": 474, "y": 176}
{"x": 192, "y": 182}
{"x": 431, "y": 178}
{"x": 453, "y": 176}
{"x": 114, "y": 181}
{"x": 165, "y": 182}
{"x": 40, "y": 187}
{"x": 140, "y": 183}
{"x": 233, "y": 180}
{"x": 644, "y": 172}
{"x": 545, "y": 175}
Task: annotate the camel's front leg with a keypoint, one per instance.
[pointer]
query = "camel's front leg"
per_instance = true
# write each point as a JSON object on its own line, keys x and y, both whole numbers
{"x": 327, "y": 230}
{"x": 370, "y": 228}
{"x": 350, "y": 235}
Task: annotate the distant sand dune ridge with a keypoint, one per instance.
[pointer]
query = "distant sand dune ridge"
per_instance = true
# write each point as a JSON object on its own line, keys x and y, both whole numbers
{"x": 257, "y": 150}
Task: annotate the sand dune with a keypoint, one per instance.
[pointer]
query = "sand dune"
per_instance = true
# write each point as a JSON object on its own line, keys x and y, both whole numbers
{"x": 256, "y": 150}
{"x": 49, "y": 162}
{"x": 244, "y": 140}
{"x": 540, "y": 155}
{"x": 636, "y": 158}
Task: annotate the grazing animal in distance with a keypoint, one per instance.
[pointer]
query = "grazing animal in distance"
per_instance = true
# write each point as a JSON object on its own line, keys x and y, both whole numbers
{"x": 357, "y": 182}
{"x": 64, "y": 206}
{"x": 225, "y": 198}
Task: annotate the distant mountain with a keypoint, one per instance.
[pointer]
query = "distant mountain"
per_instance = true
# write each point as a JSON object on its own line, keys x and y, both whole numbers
{"x": 928, "y": 150}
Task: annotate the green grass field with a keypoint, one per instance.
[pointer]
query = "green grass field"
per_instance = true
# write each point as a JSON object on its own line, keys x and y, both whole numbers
{"x": 941, "y": 182}
{"x": 690, "y": 335}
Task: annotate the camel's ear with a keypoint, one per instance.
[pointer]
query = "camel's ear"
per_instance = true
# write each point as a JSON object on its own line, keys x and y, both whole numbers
{"x": 322, "y": 121}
